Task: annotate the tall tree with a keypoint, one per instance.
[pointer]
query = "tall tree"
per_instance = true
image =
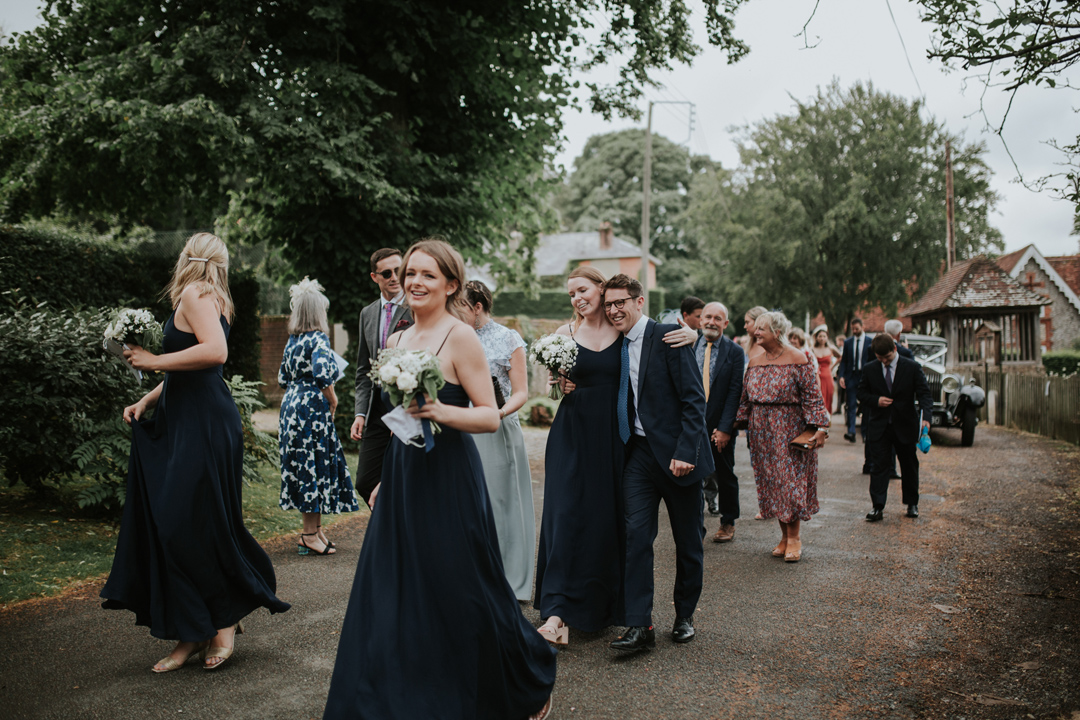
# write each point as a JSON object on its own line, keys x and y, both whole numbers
{"x": 606, "y": 185}
{"x": 840, "y": 205}
{"x": 332, "y": 127}
{"x": 1019, "y": 43}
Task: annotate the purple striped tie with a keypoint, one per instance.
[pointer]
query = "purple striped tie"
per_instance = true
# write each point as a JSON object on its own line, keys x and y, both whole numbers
{"x": 386, "y": 324}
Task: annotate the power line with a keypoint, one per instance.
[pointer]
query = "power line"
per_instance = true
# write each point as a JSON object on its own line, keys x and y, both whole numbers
{"x": 904, "y": 46}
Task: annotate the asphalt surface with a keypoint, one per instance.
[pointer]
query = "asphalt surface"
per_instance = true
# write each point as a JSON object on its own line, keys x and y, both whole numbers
{"x": 962, "y": 613}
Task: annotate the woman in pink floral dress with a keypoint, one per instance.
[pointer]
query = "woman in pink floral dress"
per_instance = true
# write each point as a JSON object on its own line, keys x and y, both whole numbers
{"x": 780, "y": 399}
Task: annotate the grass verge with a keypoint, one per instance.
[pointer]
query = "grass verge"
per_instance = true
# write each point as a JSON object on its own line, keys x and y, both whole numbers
{"x": 47, "y": 549}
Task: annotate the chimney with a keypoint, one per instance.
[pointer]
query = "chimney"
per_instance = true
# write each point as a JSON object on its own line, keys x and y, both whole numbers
{"x": 606, "y": 235}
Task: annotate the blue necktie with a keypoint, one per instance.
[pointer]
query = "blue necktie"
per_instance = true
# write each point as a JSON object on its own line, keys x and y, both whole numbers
{"x": 624, "y": 392}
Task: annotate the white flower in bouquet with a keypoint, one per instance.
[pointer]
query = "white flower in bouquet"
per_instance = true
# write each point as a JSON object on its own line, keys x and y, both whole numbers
{"x": 404, "y": 374}
{"x": 134, "y": 327}
{"x": 558, "y": 353}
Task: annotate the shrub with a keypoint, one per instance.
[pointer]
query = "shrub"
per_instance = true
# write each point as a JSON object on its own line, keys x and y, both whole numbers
{"x": 259, "y": 447}
{"x": 245, "y": 337}
{"x": 346, "y": 395}
{"x": 61, "y": 394}
{"x": 1062, "y": 362}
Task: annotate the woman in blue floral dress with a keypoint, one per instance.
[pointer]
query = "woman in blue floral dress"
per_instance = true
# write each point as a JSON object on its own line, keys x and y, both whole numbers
{"x": 314, "y": 476}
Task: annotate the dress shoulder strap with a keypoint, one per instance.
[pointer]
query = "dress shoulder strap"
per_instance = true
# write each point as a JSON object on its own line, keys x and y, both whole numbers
{"x": 444, "y": 340}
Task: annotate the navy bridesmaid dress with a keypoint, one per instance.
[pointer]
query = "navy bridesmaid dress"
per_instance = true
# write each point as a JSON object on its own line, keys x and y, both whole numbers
{"x": 185, "y": 564}
{"x": 433, "y": 629}
{"x": 579, "y": 565}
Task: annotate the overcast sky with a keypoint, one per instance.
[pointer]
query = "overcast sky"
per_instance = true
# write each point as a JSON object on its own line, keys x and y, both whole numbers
{"x": 855, "y": 40}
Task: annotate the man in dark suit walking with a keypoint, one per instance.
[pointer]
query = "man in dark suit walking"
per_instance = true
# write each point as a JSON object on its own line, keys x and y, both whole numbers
{"x": 890, "y": 387}
{"x": 378, "y": 321}
{"x": 893, "y": 328}
{"x": 853, "y": 358}
{"x": 721, "y": 363}
{"x": 661, "y": 418}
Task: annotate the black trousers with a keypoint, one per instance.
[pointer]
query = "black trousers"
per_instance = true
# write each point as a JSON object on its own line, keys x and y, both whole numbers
{"x": 882, "y": 451}
{"x": 723, "y": 483}
{"x": 376, "y": 438}
{"x": 645, "y": 483}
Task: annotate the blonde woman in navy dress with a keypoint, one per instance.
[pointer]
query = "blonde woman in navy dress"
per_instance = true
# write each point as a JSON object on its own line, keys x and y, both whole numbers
{"x": 314, "y": 476}
{"x": 185, "y": 564}
{"x": 433, "y": 629}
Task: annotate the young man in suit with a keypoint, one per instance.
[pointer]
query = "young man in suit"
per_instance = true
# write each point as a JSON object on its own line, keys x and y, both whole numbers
{"x": 853, "y": 358}
{"x": 721, "y": 363}
{"x": 661, "y": 418}
{"x": 690, "y": 308}
{"x": 378, "y": 321}
{"x": 890, "y": 387}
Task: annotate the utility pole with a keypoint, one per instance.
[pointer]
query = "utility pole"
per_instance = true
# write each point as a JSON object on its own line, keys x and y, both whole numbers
{"x": 949, "y": 231}
{"x": 646, "y": 199}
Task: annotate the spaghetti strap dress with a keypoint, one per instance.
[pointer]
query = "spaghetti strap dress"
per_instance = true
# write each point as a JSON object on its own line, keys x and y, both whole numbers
{"x": 433, "y": 629}
{"x": 580, "y": 559}
{"x": 185, "y": 564}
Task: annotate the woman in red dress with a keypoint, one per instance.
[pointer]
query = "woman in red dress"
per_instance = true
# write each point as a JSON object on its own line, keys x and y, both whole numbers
{"x": 780, "y": 399}
{"x": 826, "y": 355}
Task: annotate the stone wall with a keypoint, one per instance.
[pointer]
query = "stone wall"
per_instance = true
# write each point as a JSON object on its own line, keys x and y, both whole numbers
{"x": 1060, "y": 321}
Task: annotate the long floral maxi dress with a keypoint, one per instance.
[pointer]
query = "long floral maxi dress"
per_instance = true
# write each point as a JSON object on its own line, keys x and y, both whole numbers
{"x": 314, "y": 475}
{"x": 779, "y": 401}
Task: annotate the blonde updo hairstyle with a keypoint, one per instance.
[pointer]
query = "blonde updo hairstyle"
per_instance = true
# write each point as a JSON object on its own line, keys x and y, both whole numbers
{"x": 309, "y": 306}
{"x": 592, "y": 275}
{"x": 777, "y": 323}
{"x": 451, "y": 265}
{"x": 204, "y": 262}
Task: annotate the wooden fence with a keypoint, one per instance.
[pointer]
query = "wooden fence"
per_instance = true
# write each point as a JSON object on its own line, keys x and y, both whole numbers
{"x": 1046, "y": 405}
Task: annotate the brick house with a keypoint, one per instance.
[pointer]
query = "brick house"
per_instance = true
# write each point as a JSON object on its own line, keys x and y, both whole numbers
{"x": 1058, "y": 280}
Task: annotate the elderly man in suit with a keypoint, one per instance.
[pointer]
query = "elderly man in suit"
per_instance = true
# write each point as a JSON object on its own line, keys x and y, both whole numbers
{"x": 889, "y": 390}
{"x": 661, "y": 418}
{"x": 893, "y": 328}
{"x": 853, "y": 358}
{"x": 378, "y": 321}
{"x": 721, "y": 363}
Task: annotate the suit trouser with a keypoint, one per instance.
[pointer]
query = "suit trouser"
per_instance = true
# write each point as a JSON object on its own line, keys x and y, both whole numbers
{"x": 882, "y": 450}
{"x": 373, "y": 446}
{"x": 645, "y": 483}
{"x": 723, "y": 483}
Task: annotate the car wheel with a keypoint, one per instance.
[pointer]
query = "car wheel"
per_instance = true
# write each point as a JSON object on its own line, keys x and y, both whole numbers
{"x": 967, "y": 427}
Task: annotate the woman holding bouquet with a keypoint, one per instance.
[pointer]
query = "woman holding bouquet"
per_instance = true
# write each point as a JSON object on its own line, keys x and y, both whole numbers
{"x": 314, "y": 474}
{"x": 579, "y": 565}
{"x": 506, "y": 463}
{"x": 433, "y": 628}
{"x": 185, "y": 564}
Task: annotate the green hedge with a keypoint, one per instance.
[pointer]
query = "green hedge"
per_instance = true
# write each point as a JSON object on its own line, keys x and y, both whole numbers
{"x": 553, "y": 304}
{"x": 65, "y": 270}
{"x": 1062, "y": 362}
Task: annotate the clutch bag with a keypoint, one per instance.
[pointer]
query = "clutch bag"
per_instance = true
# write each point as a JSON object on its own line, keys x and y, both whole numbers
{"x": 805, "y": 441}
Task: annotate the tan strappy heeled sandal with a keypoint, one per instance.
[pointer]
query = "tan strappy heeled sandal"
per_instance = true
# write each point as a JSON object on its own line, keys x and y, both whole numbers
{"x": 168, "y": 663}
{"x": 222, "y": 652}
{"x": 556, "y": 636}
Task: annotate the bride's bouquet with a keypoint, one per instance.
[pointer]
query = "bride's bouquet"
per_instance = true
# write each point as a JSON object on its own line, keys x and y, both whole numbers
{"x": 405, "y": 375}
{"x": 132, "y": 327}
{"x": 558, "y": 353}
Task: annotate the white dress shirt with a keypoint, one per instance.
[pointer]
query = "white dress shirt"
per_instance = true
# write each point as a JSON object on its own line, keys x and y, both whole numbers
{"x": 635, "y": 336}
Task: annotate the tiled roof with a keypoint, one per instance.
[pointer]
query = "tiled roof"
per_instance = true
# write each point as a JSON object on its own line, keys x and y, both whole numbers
{"x": 1008, "y": 262}
{"x": 1068, "y": 267}
{"x": 556, "y": 251}
{"x": 975, "y": 283}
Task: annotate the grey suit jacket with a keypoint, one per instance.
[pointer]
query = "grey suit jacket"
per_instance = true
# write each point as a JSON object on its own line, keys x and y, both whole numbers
{"x": 368, "y": 350}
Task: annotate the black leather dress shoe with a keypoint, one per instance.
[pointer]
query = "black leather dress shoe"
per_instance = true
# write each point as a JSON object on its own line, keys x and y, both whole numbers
{"x": 636, "y": 638}
{"x": 875, "y": 515}
{"x": 912, "y": 511}
{"x": 714, "y": 506}
{"x": 683, "y": 632}
{"x": 850, "y": 437}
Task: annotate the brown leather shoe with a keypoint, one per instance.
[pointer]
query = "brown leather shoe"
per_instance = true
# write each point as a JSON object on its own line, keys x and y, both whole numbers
{"x": 726, "y": 533}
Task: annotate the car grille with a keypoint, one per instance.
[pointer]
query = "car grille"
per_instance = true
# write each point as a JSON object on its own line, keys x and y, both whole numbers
{"x": 933, "y": 379}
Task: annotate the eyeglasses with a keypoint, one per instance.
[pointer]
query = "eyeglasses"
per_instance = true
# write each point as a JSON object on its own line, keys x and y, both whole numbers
{"x": 386, "y": 274}
{"x": 616, "y": 304}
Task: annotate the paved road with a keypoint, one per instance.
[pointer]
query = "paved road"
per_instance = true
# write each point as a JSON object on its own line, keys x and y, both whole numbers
{"x": 851, "y": 631}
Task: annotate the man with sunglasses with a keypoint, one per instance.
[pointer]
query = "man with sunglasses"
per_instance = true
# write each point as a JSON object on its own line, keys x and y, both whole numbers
{"x": 661, "y": 419}
{"x": 378, "y": 321}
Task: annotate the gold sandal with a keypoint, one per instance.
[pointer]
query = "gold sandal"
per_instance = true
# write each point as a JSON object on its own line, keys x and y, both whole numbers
{"x": 168, "y": 664}
{"x": 557, "y": 636}
{"x": 222, "y": 652}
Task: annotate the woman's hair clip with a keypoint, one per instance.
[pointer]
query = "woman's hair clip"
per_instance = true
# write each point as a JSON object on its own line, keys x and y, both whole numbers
{"x": 195, "y": 259}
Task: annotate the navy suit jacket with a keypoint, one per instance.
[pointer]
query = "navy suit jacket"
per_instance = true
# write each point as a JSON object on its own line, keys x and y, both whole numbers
{"x": 671, "y": 403}
{"x": 848, "y": 366}
{"x": 725, "y": 387}
{"x": 904, "y": 352}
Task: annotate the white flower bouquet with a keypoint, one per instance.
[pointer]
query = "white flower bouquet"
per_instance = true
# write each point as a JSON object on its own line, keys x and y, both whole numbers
{"x": 558, "y": 353}
{"x": 405, "y": 375}
{"x": 132, "y": 327}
